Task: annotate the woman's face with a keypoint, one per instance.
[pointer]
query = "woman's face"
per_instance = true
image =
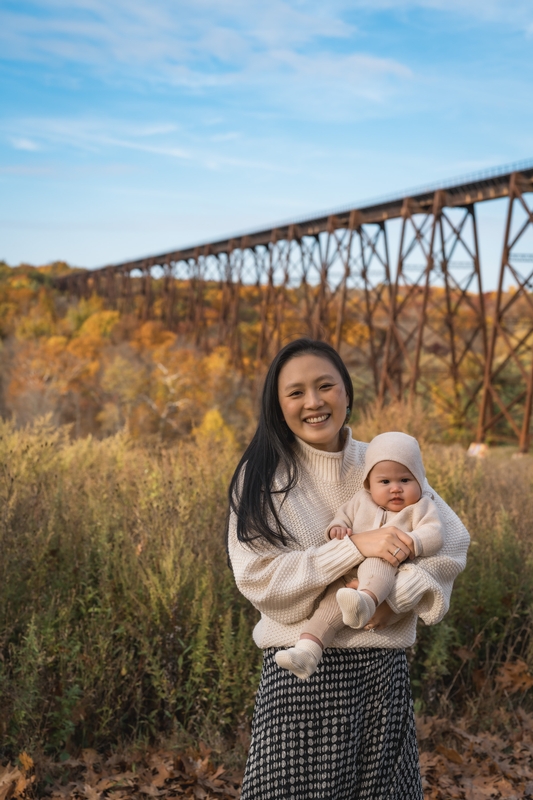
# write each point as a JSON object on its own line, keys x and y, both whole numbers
{"x": 313, "y": 401}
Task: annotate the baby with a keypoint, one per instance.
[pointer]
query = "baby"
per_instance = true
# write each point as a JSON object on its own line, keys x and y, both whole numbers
{"x": 393, "y": 479}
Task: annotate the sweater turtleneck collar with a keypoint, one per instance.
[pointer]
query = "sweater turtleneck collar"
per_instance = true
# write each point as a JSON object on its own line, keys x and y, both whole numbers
{"x": 328, "y": 467}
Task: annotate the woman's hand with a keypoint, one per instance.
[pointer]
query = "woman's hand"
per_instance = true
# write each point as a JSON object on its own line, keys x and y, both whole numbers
{"x": 389, "y": 543}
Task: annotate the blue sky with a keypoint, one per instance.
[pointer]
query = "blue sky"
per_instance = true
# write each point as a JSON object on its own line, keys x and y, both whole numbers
{"x": 129, "y": 127}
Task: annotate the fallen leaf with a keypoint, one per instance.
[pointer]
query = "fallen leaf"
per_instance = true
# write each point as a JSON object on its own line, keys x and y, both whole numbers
{"x": 89, "y": 756}
{"x": 150, "y": 790}
{"x": 26, "y": 761}
{"x": 219, "y": 771}
{"x": 479, "y": 677}
{"x": 163, "y": 773}
{"x": 464, "y": 653}
{"x": 9, "y": 776}
{"x": 21, "y": 786}
{"x": 450, "y": 754}
{"x": 514, "y": 677}
{"x": 90, "y": 793}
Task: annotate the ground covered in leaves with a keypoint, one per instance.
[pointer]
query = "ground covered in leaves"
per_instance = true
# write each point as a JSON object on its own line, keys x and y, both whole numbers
{"x": 121, "y": 777}
{"x": 458, "y": 764}
{"x": 455, "y": 764}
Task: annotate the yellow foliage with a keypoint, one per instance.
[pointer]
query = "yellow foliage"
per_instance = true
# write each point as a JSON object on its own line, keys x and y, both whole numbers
{"x": 151, "y": 334}
{"x": 21, "y": 282}
{"x": 110, "y": 419}
{"x": 217, "y": 363}
{"x": 214, "y": 430}
{"x": 86, "y": 347}
{"x": 35, "y": 325}
{"x": 100, "y": 323}
{"x": 77, "y": 314}
{"x": 56, "y": 344}
{"x": 123, "y": 379}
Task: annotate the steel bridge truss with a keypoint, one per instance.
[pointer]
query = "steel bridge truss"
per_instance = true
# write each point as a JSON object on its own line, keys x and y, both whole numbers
{"x": 419, "y": 326}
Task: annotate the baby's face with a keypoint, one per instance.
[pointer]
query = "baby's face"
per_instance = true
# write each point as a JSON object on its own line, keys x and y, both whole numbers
{"x": 392, "y": 486}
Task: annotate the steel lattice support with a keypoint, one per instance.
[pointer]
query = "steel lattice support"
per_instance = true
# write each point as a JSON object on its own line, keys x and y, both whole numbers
{"x": 508, "y": 384}
{"x": 436, "y": 340}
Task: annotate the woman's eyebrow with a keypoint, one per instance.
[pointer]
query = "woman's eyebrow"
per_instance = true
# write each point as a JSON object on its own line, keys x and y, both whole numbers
{"x": 301, "y": 383}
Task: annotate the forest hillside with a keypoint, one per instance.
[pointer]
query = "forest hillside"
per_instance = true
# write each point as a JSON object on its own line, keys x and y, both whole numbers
{"x": 123, "y": 365}
{"x": 102, "y": 371}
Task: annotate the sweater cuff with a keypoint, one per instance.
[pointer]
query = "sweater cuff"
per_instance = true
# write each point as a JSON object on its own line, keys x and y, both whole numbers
{"x": 338, "y": 556}
{"x": 409, "y": 588}
{"x": 417, "y": 543}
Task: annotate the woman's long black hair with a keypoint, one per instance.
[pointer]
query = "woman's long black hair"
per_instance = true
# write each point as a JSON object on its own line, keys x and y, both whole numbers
{"x": 250, "y": 490}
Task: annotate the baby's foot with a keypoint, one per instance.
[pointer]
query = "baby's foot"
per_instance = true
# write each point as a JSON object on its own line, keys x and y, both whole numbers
{"x": 301, "y": 660}
{"x": 357, "y": 607}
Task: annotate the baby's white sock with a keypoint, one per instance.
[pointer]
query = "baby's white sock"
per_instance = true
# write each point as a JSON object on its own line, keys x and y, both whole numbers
{"x": 301, "y": 660}
{"x": 357, "y": 607}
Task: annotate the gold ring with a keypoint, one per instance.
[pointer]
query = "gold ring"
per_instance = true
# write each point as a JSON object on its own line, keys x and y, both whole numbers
{"x": 396, "y": 551}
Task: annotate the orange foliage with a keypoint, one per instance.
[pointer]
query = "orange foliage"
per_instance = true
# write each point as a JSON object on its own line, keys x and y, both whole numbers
{"x": 102, "y": 371}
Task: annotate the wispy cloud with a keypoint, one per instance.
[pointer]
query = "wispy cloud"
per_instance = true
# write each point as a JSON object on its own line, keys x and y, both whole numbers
{"x": 201, "y": 45}
{"x": 517, "y": 15}
{"x": 246, "y": 110}
{"x": 24, "y": 144}
{"x": 108, "y": 137}
{"x": 93, "y": 134}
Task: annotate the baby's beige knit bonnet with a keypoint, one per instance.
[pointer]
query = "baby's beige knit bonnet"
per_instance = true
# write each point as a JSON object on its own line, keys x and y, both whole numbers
{"x": 399, "y": 447}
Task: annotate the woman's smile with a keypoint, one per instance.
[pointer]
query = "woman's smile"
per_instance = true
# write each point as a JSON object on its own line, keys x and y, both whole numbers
{"x": 317, "y": 420}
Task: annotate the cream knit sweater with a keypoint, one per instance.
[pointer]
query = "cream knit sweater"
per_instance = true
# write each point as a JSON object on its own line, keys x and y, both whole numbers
{"x": 285, "y": 584}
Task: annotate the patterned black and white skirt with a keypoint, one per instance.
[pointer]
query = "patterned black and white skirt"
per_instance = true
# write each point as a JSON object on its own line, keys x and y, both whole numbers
{"x": 347, "y": 733}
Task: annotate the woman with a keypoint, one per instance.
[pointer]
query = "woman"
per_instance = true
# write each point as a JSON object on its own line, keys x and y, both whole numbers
{"x": 348, "y": 732}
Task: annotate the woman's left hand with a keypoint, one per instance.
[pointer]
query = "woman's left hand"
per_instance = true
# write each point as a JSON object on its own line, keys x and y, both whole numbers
{"x": 383, "y": 615}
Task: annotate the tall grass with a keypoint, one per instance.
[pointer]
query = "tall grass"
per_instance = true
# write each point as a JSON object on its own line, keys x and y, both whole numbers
{"x": 490, "y": 621}
{"x": 118, "y": 614}
{"x": 119, "y": 618}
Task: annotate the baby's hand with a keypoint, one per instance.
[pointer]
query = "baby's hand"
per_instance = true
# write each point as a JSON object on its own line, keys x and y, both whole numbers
{"x": 338, "y": 532}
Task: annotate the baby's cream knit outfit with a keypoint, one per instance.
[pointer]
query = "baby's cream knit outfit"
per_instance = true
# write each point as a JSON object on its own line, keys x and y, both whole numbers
{"x": 286, "y": 583}
{"x": 421, "y": 520}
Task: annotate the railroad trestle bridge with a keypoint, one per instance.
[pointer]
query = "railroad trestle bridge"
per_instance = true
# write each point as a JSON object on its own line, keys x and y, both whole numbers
{"x": 420, "y": 326}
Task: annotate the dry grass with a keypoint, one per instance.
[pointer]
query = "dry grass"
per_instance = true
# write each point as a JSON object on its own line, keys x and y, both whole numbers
{"x": 120, "y": 621}
{"x": 119, "y": 617}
